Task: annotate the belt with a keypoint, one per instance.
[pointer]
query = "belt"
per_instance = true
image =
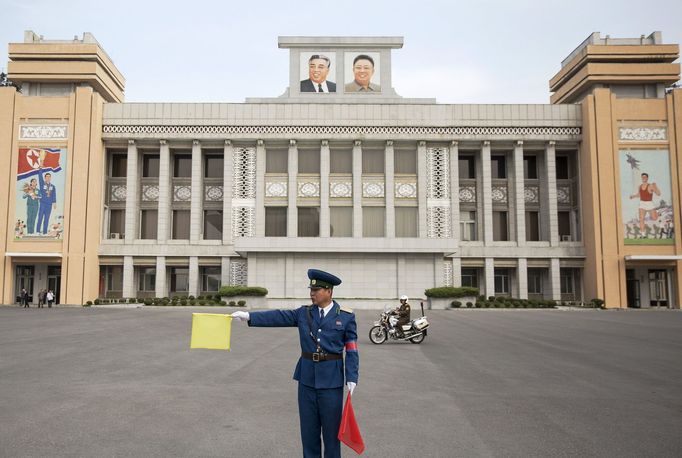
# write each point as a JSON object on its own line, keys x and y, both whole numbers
{"x": 316, "y": 357}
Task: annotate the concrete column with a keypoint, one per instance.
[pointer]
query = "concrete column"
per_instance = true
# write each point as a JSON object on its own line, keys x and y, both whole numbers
{"x": 357, "y": 189}
{"x": 160, "y": 287}
{"x": 225, "y": 271}
{"x": 193, "y": 276}
{"x": 389, "y": 189}
{"x": 292, "y": 209}
{"x": 401, "y": 274}
{"x": 522, "y": 277}
{"x": 454, "y": 192}
{"x": 438, "y": 271}
{"x": 519, "y": 198}
{"x": 555, "y": 278}
{"x": 487, "y": 193}
{"x": 260, "y": 189}
{"x": 456, "y": 272}
{"x": 196, "y": 217}
{"x": 132, "y": 194}
{"x": 324, "y": 189}
{"x": 550, "y": 179}
{"x": 164, "y": 193}
{"x": 128, "y": 277}
{"x": 421, "y": 189}
{"x": 228, "y": 181}
{"x": 489, "y": 277}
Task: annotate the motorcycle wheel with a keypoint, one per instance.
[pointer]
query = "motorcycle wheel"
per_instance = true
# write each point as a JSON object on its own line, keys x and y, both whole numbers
{"x": 418, "y": 339}
{"x": 377, "y": 335}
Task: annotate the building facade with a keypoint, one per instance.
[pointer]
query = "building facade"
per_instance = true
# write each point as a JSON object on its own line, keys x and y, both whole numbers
{"x": 394, "y": 195}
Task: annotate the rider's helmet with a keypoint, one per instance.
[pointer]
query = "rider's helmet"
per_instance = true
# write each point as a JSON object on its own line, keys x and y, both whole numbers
{"x": 403, "y": 298}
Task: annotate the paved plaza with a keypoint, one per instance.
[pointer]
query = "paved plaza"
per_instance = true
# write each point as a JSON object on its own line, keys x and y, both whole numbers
{"x": 105, "y": 382}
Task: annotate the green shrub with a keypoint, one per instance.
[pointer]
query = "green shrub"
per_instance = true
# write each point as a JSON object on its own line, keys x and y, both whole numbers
{"x": 597, "y": 303}
{"x": 223, "y": 303}
{"x": 191, "y": 298}
{"x": 470, "y": 304}
{"x": 491, "y": 298}
{"x": 451, "y": 291}
{"x": 201, "y": 301}
{"x": 241, "y": 303}
{"x": 192, "y": 301}
{"x": 183, "y": 301}
{"x": 96, "y": 301}
{"x": 88, "y": 304}
{"x": 232, "y": 304}
{"x": 132, "y": 300}
{"x": 231, "y": 291}
{"x": 456, "y": 304}
{"x": 147, "y": 302}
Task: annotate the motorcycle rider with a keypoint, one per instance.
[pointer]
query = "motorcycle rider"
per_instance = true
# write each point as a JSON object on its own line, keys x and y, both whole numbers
{"x": 403, "y": 314}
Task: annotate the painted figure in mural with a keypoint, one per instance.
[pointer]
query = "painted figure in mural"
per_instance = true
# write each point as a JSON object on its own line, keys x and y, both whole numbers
{"x": 318, "y": 69}
{"x": 363, "y": 70}
{"x": 48, "y": 201}
{"x": 32, "y": 196}
{"x": 646, "y": 193}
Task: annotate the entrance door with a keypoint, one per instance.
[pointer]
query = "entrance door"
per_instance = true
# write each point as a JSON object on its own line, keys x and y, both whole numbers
{"x": 658, "y": 288}
{"x": 24, "y": 279}
{"x": 54, "y": 281}
{"x": 632, "y": 289}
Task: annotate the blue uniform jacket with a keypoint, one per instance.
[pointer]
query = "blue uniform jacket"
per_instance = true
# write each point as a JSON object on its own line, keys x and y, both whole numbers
{"x": 338, "y": 331}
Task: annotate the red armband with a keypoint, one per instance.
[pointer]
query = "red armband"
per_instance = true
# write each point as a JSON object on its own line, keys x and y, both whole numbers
{"x": 351, "y": 346}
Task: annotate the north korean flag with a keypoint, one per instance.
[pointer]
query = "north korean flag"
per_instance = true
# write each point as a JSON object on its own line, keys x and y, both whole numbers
{"x": 30, "y": 161}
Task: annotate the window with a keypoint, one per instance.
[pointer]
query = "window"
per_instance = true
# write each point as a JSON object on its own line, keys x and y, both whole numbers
{"x": 148, "y": 224}
{"x": 275, "y": 221}
{"x": 562, "y": 168}
{"x": 308, "y": 221}
{"x": 502, "y": 282}
{"x": 373, "y": 221}
{"x": 500, "y": 232}
{"x": 309, "y": 161}
{"x": 530, "y": 167}
{"x": 210, "y": 279}
{"x": 532, "y": 226}
{"x": 119, "y": 165}
{"x": 498, "y": 166}
{"x": 467, "y": 225}
{"x": 150, "y": 166}
{"x": 181, "y": 224}
{"x": 341, "y": 221}
{"x": 564, "y": 218}
{"x": 567, "y": 281}
{"x": 114, "y": 281}
{"x": 467, "y": 167}
{"x": 372, "y": 161}
{"x": 179, "y": 279}
{"x": 276, "y": 160}
{"x": 182, "y": 165}
{"x": 535, "y": 281}
{"x": 146, "y": 280}
{"x": 470, "y": 277}
{"x": 117, "y": 226}
{"x": 405, "y": 161}
{"x": 213, "y": 224}
{"x": 213, "y": 166}
{"x": 341, "y": 161}
{"x": 406, "y": 219}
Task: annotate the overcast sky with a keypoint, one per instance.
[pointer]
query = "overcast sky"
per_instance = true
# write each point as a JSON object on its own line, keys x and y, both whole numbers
{"x": 484, "y": 51}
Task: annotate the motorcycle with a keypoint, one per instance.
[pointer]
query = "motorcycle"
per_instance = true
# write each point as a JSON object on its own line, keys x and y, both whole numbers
{"x": 382, "y": 330}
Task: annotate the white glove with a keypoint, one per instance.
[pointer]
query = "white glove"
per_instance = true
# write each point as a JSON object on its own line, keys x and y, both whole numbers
{"x": 351, "y": 387}
{"x": 240, "y": 316}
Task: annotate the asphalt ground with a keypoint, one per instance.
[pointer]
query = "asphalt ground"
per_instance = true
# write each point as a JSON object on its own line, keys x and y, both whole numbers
{"x": 108, "y": 382}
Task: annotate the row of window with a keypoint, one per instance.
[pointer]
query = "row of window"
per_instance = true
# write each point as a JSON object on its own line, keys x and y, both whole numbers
{"x": 177, "y": 277}
{"x": 569, "y": 281}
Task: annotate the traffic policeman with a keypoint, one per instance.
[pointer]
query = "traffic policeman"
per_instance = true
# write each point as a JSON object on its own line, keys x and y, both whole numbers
{"x": 325, "y": 330}
{"x": 403, "y": 313}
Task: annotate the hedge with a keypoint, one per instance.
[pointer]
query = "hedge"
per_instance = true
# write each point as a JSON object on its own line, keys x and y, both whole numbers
{"x": 231, "y": 291}
{"x": 451, "y": 291}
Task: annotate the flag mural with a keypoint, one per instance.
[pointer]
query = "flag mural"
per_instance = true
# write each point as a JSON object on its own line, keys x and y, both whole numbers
{"x": 646, "y": 197}
{"x": 39, "y": 209}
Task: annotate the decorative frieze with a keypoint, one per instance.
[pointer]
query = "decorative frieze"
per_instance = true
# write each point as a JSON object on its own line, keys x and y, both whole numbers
{"x": 43, "y": 132}
{"x": 563, "y": 194}
{"x": 499, "y": 194}
{"x": 276, "y": 188}
{"x": 406, "y": 190}
{"x": 531, "y": 194}
{"x": 117, "y": 193}
{"x": 340, "y": 189}
{"x": 150, "y": 193}
{"x": 467, "y": 194}
{"x": 373, "y": 189}
{"x": 213, "y": 193}
{"x": 643, "y": 134}
{"x": 308, "y": 189}
{"x": 182, "y": 193}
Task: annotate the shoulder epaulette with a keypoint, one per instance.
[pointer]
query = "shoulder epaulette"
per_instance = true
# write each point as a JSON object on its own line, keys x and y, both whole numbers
{"x": 346, "y": 309}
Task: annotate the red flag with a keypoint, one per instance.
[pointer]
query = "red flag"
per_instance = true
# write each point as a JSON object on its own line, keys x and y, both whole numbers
{"x": 349, "y": 432}
{"x": 29, "y": 161}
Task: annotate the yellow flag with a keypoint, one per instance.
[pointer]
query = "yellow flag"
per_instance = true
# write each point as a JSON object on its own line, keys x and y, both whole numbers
{"x": 211, "y": 330}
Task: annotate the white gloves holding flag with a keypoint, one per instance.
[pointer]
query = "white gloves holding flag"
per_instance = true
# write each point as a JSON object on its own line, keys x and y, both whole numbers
{"x": 240, "y": 316}
{"x": 351, "y": 387}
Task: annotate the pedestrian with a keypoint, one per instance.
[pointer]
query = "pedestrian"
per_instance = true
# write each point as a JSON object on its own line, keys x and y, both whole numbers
{"x": 50, "y": 297}
{"x": 41, "y": 298}
{"x": 24, "y": 298}
{"x": 325, "y": 329}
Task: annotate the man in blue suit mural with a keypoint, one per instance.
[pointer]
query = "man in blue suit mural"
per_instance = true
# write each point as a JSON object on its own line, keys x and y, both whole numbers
{"x": 325, "y": 330}
{"x": 48, "y": 201}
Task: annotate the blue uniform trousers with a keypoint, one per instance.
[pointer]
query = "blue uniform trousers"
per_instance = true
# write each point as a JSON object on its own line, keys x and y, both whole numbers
{"x": 320, "y": 409}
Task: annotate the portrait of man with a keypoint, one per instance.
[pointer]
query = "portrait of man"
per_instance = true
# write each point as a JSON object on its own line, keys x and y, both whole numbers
{"x": 364, "y": 69}
{"x": 318, "y": 72}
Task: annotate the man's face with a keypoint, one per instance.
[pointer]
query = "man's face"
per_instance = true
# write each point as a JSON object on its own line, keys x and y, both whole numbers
{"x": 320, "y": 295}
{"x": 318, "y": 69}
{"x": 645, "y": 178}
{"x": 48, "y": 178}
{"x": 363, "y": 71}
